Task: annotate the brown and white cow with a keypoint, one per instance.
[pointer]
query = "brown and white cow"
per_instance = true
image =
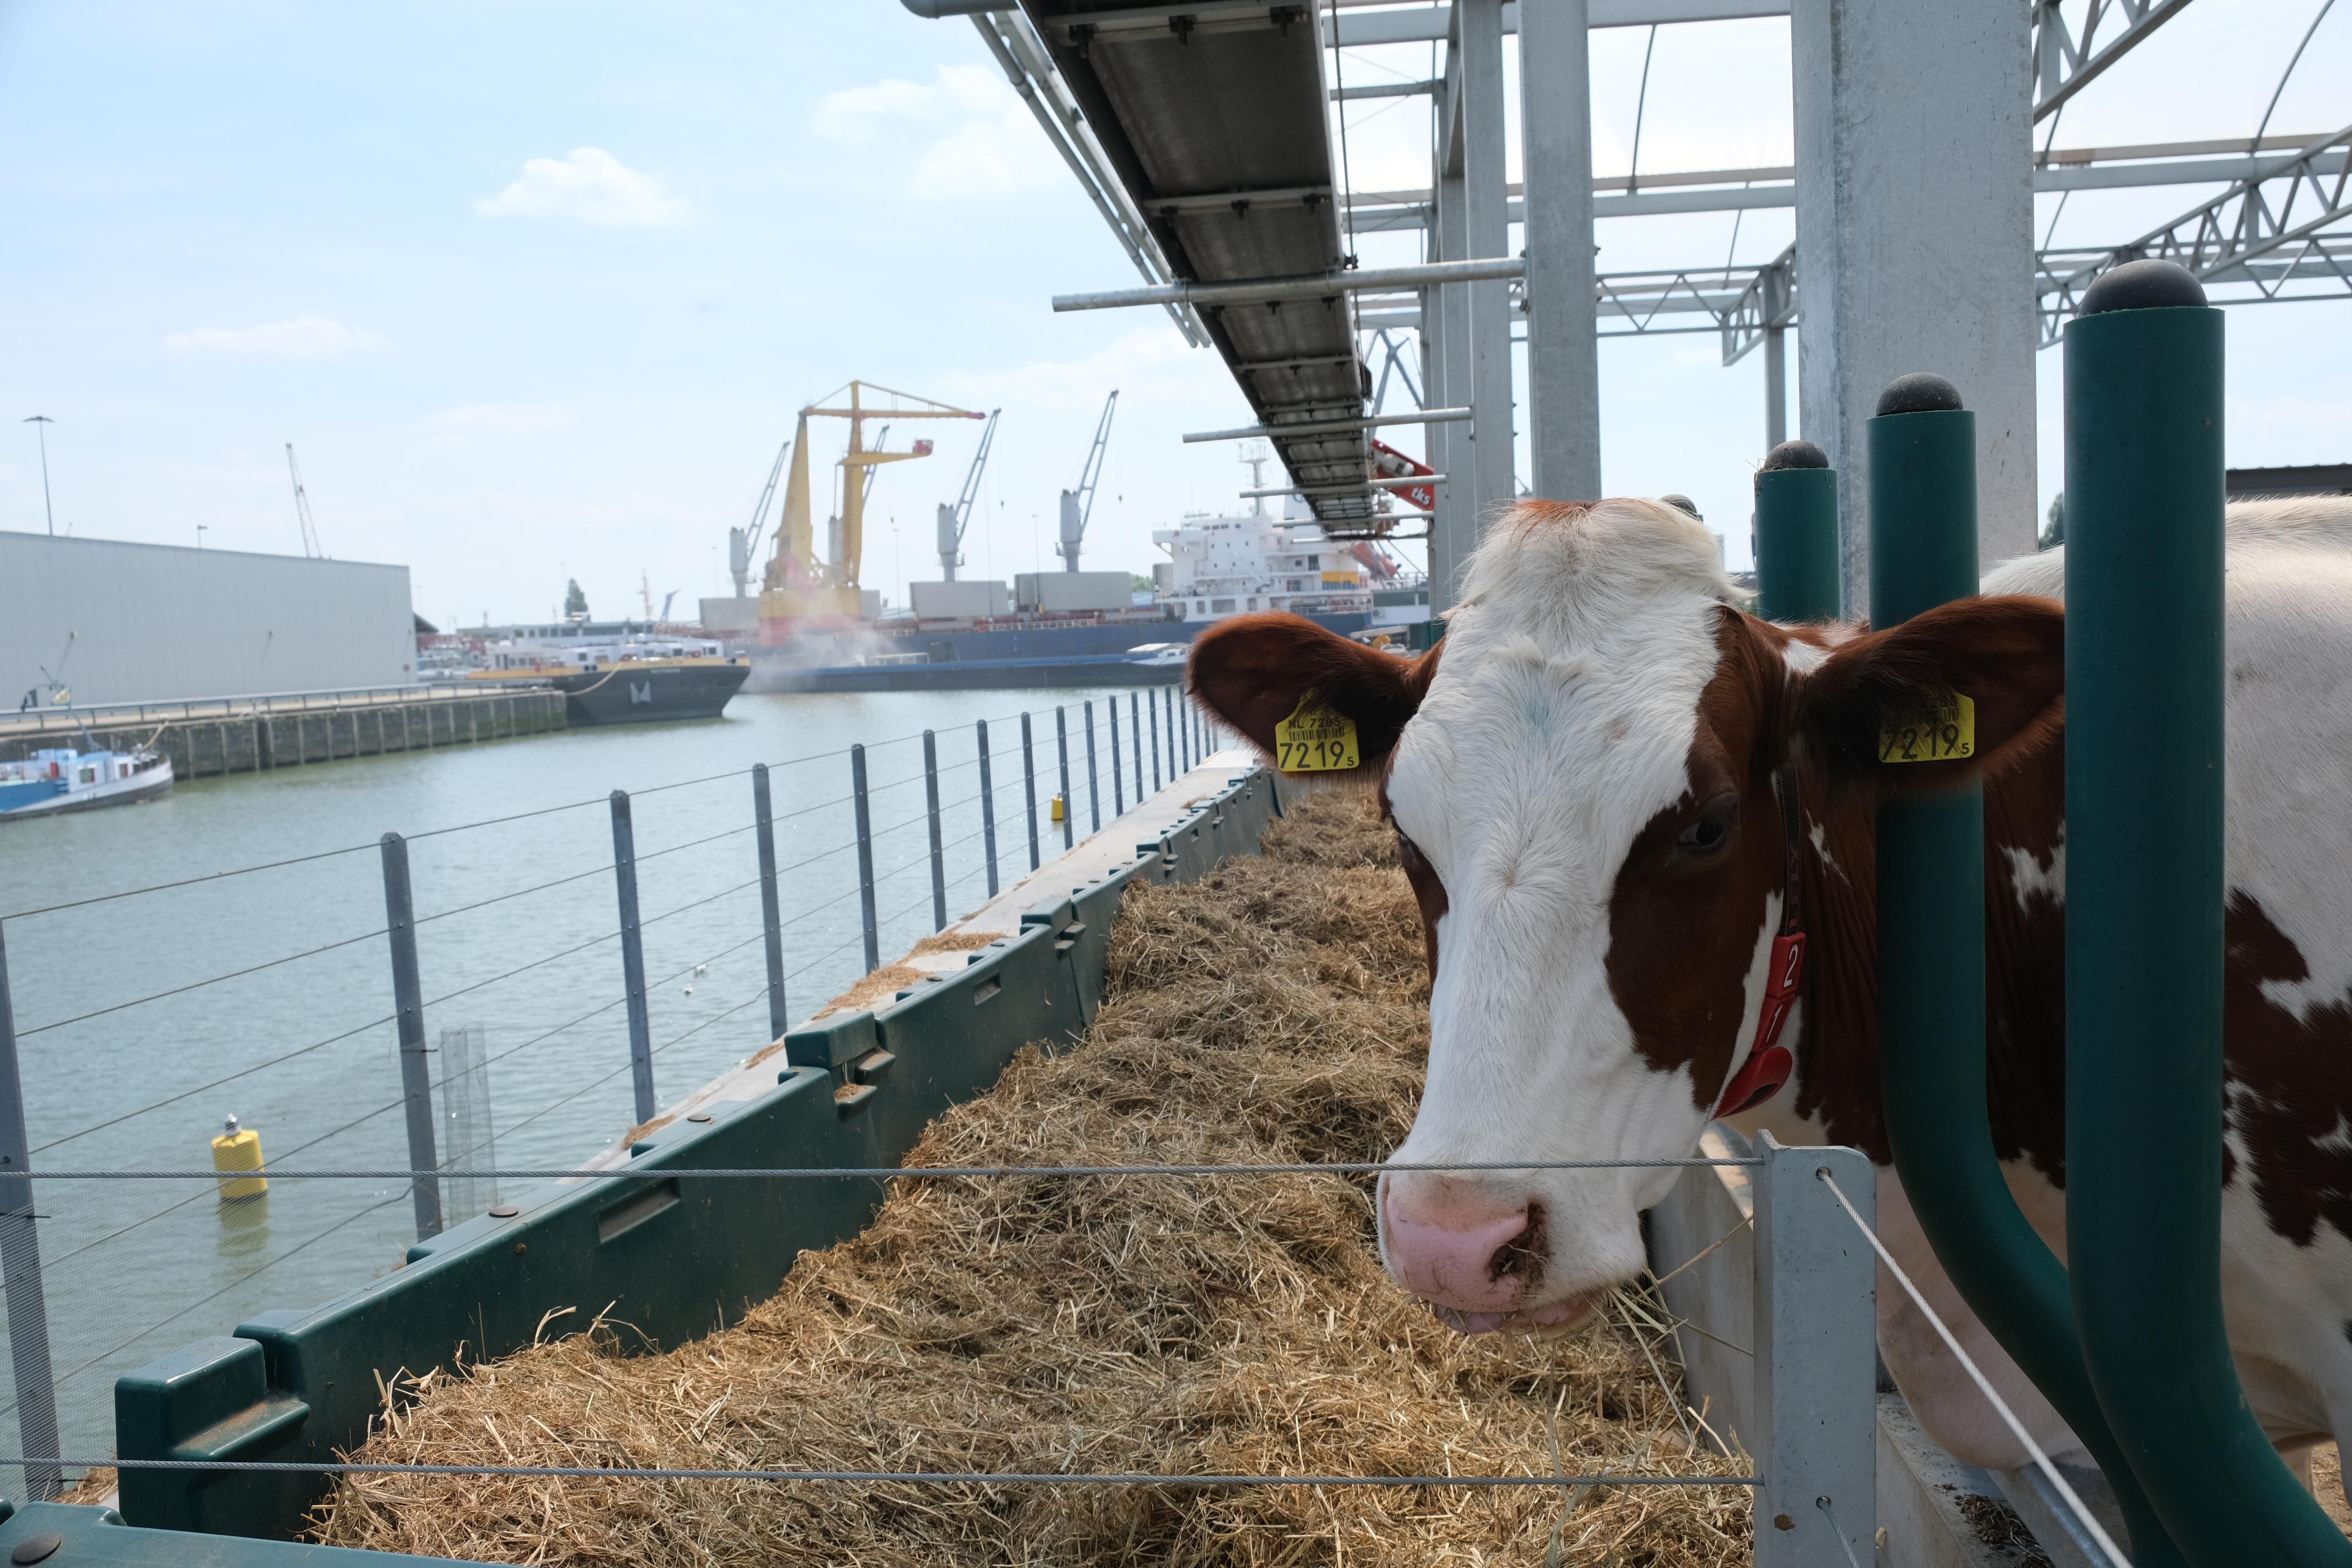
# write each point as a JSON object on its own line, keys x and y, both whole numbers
{"x": 1582, "y": 781}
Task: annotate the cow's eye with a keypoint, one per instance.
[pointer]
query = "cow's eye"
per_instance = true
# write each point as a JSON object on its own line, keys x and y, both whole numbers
{"x": 1408, "y": 852}
{"x": 1711, "y": 830}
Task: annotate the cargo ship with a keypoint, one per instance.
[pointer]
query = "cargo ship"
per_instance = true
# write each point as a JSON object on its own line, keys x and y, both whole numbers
{"x": 51, "y": 782}
{"x": 621, "y": 672}
{"x": 1063, "y": 629}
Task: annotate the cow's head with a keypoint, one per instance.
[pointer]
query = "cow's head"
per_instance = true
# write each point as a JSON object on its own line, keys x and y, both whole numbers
{"x": 1581, "y": 782}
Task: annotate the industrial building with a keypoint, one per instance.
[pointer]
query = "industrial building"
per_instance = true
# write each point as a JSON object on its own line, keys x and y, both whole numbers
{"x": 97, "y": 620}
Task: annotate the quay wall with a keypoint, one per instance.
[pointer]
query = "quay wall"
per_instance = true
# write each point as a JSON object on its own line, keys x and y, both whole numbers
{"x": 212, "y": 745}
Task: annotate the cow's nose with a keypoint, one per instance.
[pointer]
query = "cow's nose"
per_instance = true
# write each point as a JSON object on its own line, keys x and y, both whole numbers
{"x": 1457, "y": 1249}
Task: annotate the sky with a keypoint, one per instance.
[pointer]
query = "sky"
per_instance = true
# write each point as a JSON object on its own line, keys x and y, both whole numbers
{"x": 535, "y": 288}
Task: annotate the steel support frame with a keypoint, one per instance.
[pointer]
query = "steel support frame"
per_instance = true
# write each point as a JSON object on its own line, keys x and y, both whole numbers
{"x": 2282, "y": 208}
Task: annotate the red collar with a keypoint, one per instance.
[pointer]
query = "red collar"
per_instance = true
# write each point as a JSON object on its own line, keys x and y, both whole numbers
{"x": 1769, "y": 1062}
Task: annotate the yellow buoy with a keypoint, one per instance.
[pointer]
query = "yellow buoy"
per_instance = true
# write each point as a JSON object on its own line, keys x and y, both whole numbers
{"x": 239, "y": 1150}
{"x": 1057, "y": 808}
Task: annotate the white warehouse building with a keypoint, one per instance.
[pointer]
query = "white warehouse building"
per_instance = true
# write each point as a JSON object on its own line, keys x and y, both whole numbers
{"x": 110, "y": 621}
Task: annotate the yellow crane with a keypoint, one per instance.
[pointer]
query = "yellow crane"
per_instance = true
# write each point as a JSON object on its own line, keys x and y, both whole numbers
{"x": 799, "y": 587}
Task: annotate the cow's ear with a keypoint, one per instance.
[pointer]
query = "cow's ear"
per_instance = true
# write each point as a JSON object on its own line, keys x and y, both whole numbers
{"x": 1253, "y": 671}
{"x": 1952, "y": 694}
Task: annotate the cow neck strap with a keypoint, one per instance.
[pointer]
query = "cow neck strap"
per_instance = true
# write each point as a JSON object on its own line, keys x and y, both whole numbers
{"x": 1769, "y": 1062}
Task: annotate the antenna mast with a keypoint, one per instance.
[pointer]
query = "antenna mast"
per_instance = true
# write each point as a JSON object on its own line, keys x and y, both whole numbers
{"x": 302, "y": 510}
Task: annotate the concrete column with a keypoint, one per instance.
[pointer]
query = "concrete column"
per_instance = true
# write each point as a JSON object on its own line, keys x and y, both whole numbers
{"x": 1914, "y": 229}
{"x": 1563, "y": 355}
{"x": 1493, "y": 437}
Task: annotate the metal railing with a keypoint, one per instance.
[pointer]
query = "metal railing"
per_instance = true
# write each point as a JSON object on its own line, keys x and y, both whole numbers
{"x": 70, "y": 718}
{"x": 36, "y": 1380}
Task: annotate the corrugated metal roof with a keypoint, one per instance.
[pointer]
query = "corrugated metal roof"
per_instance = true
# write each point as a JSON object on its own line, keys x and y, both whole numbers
{"x": 1213, "y": 117}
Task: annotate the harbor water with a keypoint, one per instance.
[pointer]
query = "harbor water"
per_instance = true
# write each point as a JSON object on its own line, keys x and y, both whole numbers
{"x": 144, "y": 1022}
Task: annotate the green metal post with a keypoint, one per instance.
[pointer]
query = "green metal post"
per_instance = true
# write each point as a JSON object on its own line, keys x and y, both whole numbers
{"x": 1796, "y": 535}
{"x": 2144, "y": 920}
{"x": 1931, "y": 955}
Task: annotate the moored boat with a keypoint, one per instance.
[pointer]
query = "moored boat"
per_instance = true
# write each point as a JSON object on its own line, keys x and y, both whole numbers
{"x": 50, "y": 783}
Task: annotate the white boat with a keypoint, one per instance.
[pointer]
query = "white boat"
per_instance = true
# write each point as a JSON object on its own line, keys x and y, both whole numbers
{"x": 52, "y": 781}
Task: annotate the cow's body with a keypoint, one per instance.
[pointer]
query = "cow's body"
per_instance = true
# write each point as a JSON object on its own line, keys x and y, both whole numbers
{"x": 1585, "y": 784}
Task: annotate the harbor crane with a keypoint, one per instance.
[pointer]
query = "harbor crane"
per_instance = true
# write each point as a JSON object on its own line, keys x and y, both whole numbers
{"x": 798, "y": 586}
{"x": 742, "y": 544}
{"x": 955, "y": 518}
{"x": 1078, "y": 505}
{"x": 310, "y": 550}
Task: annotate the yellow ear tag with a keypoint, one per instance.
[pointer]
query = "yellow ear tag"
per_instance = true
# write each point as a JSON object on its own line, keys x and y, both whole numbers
{"x": 1945, "y": 733}
{"x": 1315, "y": 739}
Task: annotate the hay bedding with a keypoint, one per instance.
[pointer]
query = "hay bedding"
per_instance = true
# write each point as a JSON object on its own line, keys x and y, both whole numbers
{"x": 1276, "y": 1012}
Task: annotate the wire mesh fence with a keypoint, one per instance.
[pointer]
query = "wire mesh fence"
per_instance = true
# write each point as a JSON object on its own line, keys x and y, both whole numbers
{"x": 145, "y": 1015}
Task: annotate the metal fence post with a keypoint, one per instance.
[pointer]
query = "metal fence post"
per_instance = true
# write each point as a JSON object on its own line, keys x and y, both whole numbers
{"x": 1118, "y": 780}
{"x": 1062, "y": 750}
{"x": 771, "y": 917}
{"x": 408, "y": 1008}
{"x": 20, "y": 1265}
{"x": 1135, "y": 722}
{"x": 987, "y": 808}
{"x": 1094, "y": 783}
{"x": 1155, "y": 746}
{"x": 1029, "y": 788}
{"x": 931, "y": 811}
{"x": 1816, "y": 1358}
{"x": 633, "y": 956}
{"x": 865, "y": 860}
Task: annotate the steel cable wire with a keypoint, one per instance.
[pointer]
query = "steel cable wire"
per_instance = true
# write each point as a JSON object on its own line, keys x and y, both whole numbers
{"x": 943, "y": 1173}
{"x": 120, "y": 1345}
{"x": 199, "y": 984}
{"x": 900, "y": 1477}
{"x": 2000, "y": 1406}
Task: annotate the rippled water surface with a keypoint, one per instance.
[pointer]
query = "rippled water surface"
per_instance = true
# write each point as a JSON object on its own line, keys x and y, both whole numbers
{"x": 518, "y": 933}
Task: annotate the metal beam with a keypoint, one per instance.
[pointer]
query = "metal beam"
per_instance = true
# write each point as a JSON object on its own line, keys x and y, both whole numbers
{"x": 1022, "y": 57}
{"x": 2066, "y": 60}
{"x": 1432, "y": 24}
{"x": 1316, "y": 286}
{"x": 2284, "y": 209}
{"x": 1367, "y": 487}
{"x": 1334, "y": 426}
{"x": 1086, "y": 28}
{"x": 1385, "y": 90}
{"x": 1382, "y": 212}
{"x": 1215, "y": 201}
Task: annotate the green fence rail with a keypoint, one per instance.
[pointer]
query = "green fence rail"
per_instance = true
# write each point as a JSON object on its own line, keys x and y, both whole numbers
{"x": 675, "y": 1256}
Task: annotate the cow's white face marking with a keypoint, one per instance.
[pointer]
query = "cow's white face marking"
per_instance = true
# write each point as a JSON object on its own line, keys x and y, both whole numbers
{"x": 1560, "y": 722}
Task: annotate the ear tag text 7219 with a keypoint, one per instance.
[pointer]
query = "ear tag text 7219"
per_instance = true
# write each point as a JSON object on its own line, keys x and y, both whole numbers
{"x": 1317, "y": 737}
{"x": 1945, "y": 732}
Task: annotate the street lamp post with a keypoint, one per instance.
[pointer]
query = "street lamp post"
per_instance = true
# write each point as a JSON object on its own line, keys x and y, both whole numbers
{"x": 36, "y": 422}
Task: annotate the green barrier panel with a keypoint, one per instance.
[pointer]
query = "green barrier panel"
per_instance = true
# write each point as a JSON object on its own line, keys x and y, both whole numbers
{"x": 1931, "y": 954}
{"x": 97, "y": 1538}
{"x": 1796, "y": 535}
{"x": 675, "y": 1256}
{"x": 2144, "y": 919}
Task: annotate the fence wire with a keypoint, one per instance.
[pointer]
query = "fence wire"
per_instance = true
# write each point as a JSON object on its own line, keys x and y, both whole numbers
{"x": 2041, "y": 1462}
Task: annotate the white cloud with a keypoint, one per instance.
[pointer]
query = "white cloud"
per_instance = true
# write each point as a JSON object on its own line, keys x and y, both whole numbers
{"x": 304, "y": 337}
{"x": 590, "y": 184}
{"x": 978, "y": 137}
